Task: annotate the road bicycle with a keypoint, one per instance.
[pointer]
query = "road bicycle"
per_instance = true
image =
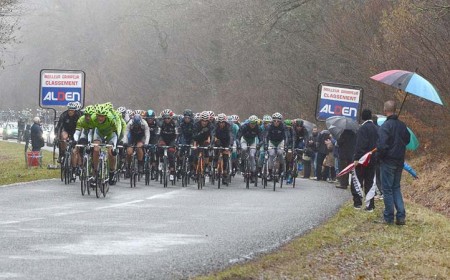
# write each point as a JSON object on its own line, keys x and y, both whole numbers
{"x": 200, "y": 167}
{"x": 185, "y": 167}
{"x": 86, "y": 169}
{"x": 135, "y": 175}
{"x": 102, "y": 173}
{"x": 219, "y": 166}
{"x": 294, "y": 164}
{"x": 279, "y": 168}
{"x": 164, "y": 170}
{"x": 246, "y": 171}
{"x": 149, "y": 168}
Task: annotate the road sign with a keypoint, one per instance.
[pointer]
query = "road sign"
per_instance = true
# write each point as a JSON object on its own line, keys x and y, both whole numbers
{"x": 335, "y": 99}
{"x": 59, "y": 87}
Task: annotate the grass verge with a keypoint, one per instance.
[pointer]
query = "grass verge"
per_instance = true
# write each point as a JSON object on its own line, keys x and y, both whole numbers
{"x": 352, "y": 246}
{"x": 14, "y": 169}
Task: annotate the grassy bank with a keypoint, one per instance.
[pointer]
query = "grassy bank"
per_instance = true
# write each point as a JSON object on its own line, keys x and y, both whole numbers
{"x": 14, "y": 170}
{"x": 352, "y": 246}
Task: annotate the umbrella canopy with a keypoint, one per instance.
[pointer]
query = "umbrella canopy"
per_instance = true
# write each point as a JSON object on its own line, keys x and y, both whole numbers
{"x": 413, "y": 141}
{"x": 337, "y": 124}
{"x": 409, "y": 82}
{"x": 309, "y": 126}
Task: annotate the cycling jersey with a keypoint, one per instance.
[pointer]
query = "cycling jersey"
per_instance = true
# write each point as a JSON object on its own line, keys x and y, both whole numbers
{"x": 83, "y": 126}
{"x": 108, "y": 127}
{"x": 276, "y": 134}
{"x": 224, "y": 135}
{"x": 201, "y": 133}
{"x": 67, "y": 123}
{"x": 135, "y": 133}
{"x": 186, "y": 132}
{"x": 249, "y": 133}
{"x": 168, "y": 132}
{"x": 300, "y": 136}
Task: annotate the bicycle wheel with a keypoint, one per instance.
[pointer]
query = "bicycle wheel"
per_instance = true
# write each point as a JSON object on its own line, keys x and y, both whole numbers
{"x": 294, "y": 173}
{"x": 164, "y": 174}
{"x": 105, "y": 178}
{"x": 133, "y": 174}
{"x": 147, "y": 173}
{"x": 63, "y": 175}
{"x": 98, "y": 179}
{"x": 247, "y": 173}
{"x": 67, "y": 169}
{"x": 83, "y": 181}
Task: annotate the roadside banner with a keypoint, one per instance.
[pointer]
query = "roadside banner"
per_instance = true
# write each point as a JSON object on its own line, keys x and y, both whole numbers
{"x": 338, "y": 100}
{"x": 59, "y": 87}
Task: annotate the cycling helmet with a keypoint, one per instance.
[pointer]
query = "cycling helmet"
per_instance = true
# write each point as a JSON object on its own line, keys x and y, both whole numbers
{"x": 138, "y": 112}
{"x": 102, "y": 109}
{"x": 235, "y": 118}
{"x": 277, "y": 116}
{"x": 167, "y": 113}
{"x": 109, "y": 106}
{"x": 267, "y": 118}
{"x": 89, "y": 110}
{"x": 150, "y": 113}
{"x": 121, "y": 109}
{"x": 188, "y": 113}
{"x": 204, "y": 116}
{"x": 222, "y": 118}
{"x": 253, "y": 119}
{"x": 288, "y": 122}
{"x": 197, "y": 116}
{"x": 211, "y": 115}
{"x": 129, "y": 112}
{"x": 137, "y": 119}
{"x": 78, "y": 105}
{"x": 72, "y": 106}
{"x": 299, "y": 122}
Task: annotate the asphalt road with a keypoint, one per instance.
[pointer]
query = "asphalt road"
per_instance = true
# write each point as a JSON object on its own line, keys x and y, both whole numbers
{"x": 49, "y": 231}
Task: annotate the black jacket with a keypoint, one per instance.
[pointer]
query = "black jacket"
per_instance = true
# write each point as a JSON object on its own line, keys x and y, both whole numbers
{"x": 366, "y": 140}
{"x": 37, "y": 141}
{"x": 201, "y": 134}
{"x": 322, "y": 148}
{"x": 393, "y": 136}
{"x": 249, "y": 133}
{"x": 346, "y": 144}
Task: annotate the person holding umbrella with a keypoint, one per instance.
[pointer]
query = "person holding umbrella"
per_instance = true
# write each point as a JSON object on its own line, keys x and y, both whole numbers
{"x": 366, "y": 141}
{"x": 393, "y": 136}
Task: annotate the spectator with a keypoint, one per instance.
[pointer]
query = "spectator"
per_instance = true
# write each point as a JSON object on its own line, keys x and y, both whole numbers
{"x": 329, "y": 172}
{"x": 393, "y": 137}
{"x": 37, "y": 141}
{"x": 324, "y": 140}
{"x": 366, "y": 141}
{"x": 346, "y": 144}
{"x": 311, "y": 153}
{"x": 20, "y": 129}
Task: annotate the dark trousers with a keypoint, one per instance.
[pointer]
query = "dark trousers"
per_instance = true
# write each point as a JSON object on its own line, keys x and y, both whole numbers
{"x": 365, "y": 176}
{"x": 320, "y": 159}
{"x": 343, "y": 180}
{"x": 306, "y": 168}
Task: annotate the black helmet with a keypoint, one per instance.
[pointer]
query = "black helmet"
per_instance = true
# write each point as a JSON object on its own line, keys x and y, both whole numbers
{"x": 188, "y": 113}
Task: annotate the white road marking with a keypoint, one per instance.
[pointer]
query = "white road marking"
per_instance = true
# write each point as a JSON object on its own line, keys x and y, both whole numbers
{"x": 119, "y": 205}
{"x": 163, "y": 195}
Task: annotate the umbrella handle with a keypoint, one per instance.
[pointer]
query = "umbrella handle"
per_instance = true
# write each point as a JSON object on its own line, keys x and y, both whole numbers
{"x": 403, "y": 102}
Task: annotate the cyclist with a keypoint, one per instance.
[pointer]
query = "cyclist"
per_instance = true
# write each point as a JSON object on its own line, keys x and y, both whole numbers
{"x": 234, "y": 120}
{"x": 277, "y": 137}
{"x": 223, "y": 137}
{"x": 300, "y": 134}
{"x": 250, "y": 135}
{"x": 154, "y": 135}
{"x": 66, "y": 126}
{"x": 168, "y": 137}
{"x": 82, "y": 135}
{"x": 136, "y": 133}
{"x": 203, "y": 133}
{"x": 186, "y": 129}
{"x": 289, "y": 149}
{"x": 107, "y": 129}
{"x": 266, "y": 121}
